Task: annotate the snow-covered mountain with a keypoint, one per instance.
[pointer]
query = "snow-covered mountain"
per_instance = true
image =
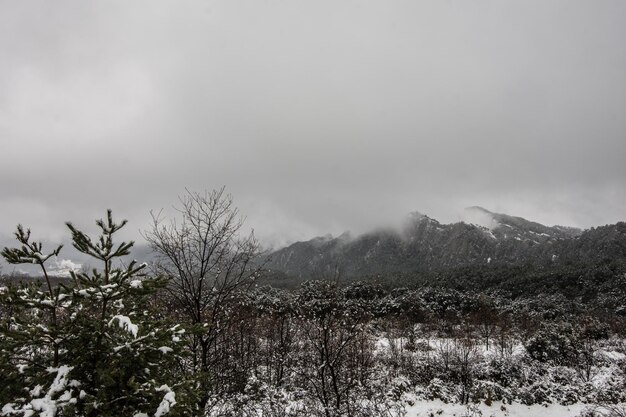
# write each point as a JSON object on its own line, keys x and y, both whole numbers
{"x": 424, "y": 244}
{"x": 504, "y": 227}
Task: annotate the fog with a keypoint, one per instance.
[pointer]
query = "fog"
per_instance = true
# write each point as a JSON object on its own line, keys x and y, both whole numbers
{"x": 318, "y": 117}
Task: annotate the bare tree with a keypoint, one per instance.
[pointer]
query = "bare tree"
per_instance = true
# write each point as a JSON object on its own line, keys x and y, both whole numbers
{"x": 485, "y": 319}
{"x": 207, "y": 259}
{"x": 465, "y": 359}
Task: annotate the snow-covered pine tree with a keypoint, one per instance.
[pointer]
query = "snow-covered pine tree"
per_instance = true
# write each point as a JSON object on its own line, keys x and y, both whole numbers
{"x": 30, "y": 336}
{"x": 92, "y": 347}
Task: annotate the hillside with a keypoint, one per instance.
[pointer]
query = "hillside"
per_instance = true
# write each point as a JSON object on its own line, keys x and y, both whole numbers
{"x": 424, "y": 245}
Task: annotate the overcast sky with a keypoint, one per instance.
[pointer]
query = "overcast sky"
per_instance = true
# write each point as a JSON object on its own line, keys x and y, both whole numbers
{"x": 318, "y": 116}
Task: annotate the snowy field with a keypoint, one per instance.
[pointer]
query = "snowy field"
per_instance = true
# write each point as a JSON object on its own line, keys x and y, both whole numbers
{"x": 497, "y": 409}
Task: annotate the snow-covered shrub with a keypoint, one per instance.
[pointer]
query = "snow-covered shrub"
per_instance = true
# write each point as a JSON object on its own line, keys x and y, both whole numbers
{"x": 554, "y": 343}
{"x": 540, "y": 392}
{"x": 504, "y": 372}
{"x": 438, "y": 389}
{"x": 488, "y": 391}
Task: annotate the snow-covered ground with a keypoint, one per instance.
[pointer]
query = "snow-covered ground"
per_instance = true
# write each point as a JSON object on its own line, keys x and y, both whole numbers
{"x": 554, "y": 380}
{"x": 497, "y": 409}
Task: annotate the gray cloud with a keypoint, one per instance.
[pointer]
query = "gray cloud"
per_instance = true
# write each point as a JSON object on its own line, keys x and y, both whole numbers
{"x": 318, "y": 116}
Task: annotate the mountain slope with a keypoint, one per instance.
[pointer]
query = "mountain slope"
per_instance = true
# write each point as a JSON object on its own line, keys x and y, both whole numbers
{"x": 425, "y": 245}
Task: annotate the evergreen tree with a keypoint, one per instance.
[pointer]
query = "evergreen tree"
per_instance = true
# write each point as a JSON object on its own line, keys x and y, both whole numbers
{"x": 91, "y": 347}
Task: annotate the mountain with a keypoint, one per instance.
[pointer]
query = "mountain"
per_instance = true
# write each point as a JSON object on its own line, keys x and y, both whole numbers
{"x": 423, "y": 244}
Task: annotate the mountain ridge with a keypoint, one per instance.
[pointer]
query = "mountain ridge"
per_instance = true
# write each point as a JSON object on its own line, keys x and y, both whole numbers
{"x": 423, "y": 244}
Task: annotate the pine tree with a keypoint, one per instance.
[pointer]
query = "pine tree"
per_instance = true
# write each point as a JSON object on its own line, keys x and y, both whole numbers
{"x": 91, "y": 347}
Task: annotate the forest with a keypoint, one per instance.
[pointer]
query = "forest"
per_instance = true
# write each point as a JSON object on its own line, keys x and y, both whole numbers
{"x": 201, "y": 332}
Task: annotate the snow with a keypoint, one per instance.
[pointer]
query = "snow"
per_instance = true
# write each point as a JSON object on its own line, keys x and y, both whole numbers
{"x": 67, "y": 396}
{"x": 108, "y": 287}
{"x": 497, "y": 409}
{"x": 381, "y": 345}
{"x": 165, "y": 349}
{"x": 136, "y": 283}
{"x": 612, "y": 355}
{"x": 47, "y": 405}
{"x": 8, "y": 409}
{"x": 60, "y": 381}
{"x": 125, "y": 323}
{"x": 168, "y": 401}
